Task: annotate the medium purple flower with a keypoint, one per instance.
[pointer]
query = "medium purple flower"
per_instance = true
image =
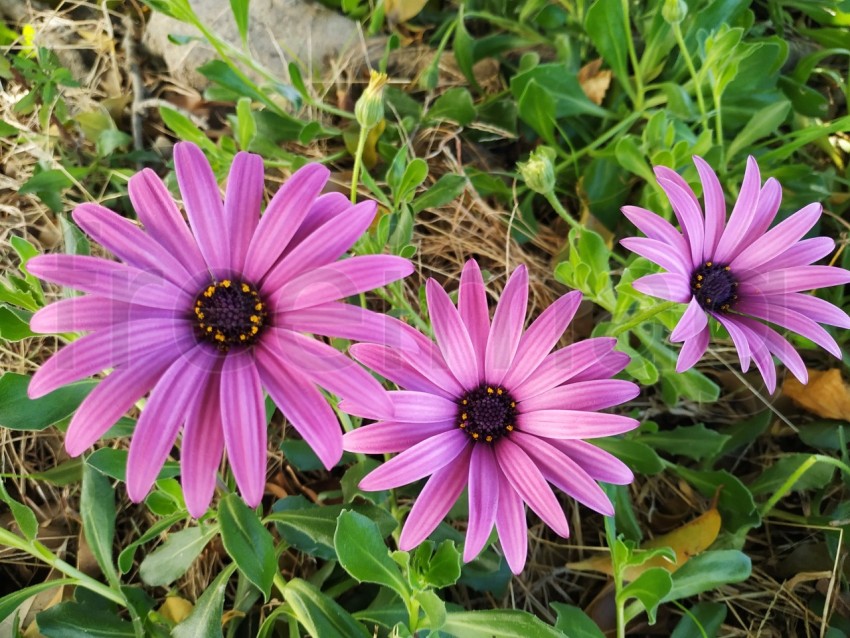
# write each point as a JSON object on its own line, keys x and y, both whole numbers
{"x": 206, "y": 318}
{"x": 489, "y": 408}
{"x": 740, "y": 272}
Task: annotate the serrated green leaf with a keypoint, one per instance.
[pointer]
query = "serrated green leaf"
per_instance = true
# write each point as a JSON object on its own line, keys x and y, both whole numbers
{"x": 247, "y": 542}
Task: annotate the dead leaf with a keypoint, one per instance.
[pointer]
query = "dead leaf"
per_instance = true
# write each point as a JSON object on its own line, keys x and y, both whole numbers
{"x": 594, "y": 81}
{"x": 686, "y": 541}
{"x": 175, "y": 609}
{"x": 403, "y": 10}
{"x": 826, "y": 395}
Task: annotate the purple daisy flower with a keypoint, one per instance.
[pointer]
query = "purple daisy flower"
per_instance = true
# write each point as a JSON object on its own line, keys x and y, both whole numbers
{"x": 207, "y": 316}
{"x": 740, "y": 273}
{"x": 490, "y": 408}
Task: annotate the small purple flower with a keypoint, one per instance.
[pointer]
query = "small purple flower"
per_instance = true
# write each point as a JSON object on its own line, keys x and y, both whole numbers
{"x": 206, "y": 318}
{"x": 490, "y": 408}
{"x": 740, "y": 273}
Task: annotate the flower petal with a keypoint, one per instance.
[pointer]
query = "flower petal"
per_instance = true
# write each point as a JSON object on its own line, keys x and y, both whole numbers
{"x": 777, "y": 239}
{"x": 303, "y": 406}
{"x": 452, "y": 337}
{"x": 284, "y": 214}
{"x": 385, "y": 437}
{"x": 656, "y": 227}
{"x": 162, "y": 220}
{"x": 483, "y": 499}
{"x": 88, "y": 312}
{"x": 542, "y": 335}
{"x": 472, "y": 305}
{"x": 338, "y": 280}
{"x": 506, "y": 331}
{"x": 714, "y": 206}
{"x": 790, "y": 319}
{"x": 435, "y": 500}
{"x": 742, "y": 345}
{"x": 564, "y": 473}
{"x": 742, "y": 214}
{"x": 324, "y": 246}
{"x": 686, "y": 208}
{"x": 665, "y": 285}
{"x": 770, "y": 197}
{"x": 327, "y": 207}
{"x": 202, "y": 447}
{"x": 162, "y": 417}
{"x": 392, "y": 366}
{"x": 109, "y": 279}
{"x": 586, "y": 396}
{"x": 609, "y": 365}
{"x": 793, "y": 279}
{"x": 243, "y": 418}
{"x": 530, "y": 484}
{"x": 573, "y": 424}
{"x": 659, "y": 253}
{"x": 760, "y": 354}
{"x": 596, "y": 462}
{"x": 421, "y": 407}
{"x": 692, "y": 322}
{"x": 692, "y": 350}
{"x": 779, "y": 346}
{"x": 562, "y": 365}
{"x": 202, "y": 201}
{"x": 802, "y": 253}
{"x": 243, "y": 200}
{"x": 815, "y": 308}
{"x": 511, "y": 525}
{"x": 418, "y": 461}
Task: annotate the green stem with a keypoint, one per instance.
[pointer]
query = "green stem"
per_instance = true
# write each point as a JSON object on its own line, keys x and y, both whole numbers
{"x": 718, "y": 117}
{"x": 559, "y": 208}
{"x": 358, "y": 161}
{"x": 412, "y": 614}
{"x": 617, "y": 573}
{"x": 630, "y": 44}
{"x": 677, "y": 32}
{"x": 642, "y": 317}
{"x": 797, "y": 474}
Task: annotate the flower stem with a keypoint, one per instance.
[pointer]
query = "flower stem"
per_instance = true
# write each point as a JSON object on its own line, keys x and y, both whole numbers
{"x": 677, "y": 32}
{"x": 642, "y": 317}
{"x": 630, "y": 44}
{"x": 797, "y": 474}
{"x": 559, "y": 208}
{"x": 358, "y": 161}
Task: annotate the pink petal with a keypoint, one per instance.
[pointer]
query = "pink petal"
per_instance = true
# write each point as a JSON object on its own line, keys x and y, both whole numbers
{"x": 656, "y": 227}
{"x": 202, "y": 201}
{"x": 742, "y": 345}
{"x": 790, "y": 319}
{"x": 742, "y": 214}
{"x": 692, "y": 322}
{"x": 777, "y": 239}
{"x": 597, "y": 463}
{"x": 243, "y": 418}
{"x": 692, "y": 350}
{"x": 202, "y": 447}
{"x": 324, "y": 246}
{"x": 779, "y": 346}
{"x": 92, "y": 313}
{"x": 670, "y": 286}
{"x": 686, "y": 208}
{"x": 338, "y": 280}
{"x": 327, "y": 207}
{"x": 659, "y": 253}
{"x": 243, "y": 200}
{"x": 483, "y": 499}
{"x": 452, "y": 337}
{"x": 472, "y": 305}
{"x": 611, "y": 364}
{"x": 284, "y": 214}
{"x": 385, "y": 437}
{"x": 573, "y": 424}
{"x": 162, "y": 220}
{"x": 435, "y": 500}
{"x": 802, "y": 253}
{"x": 768, "y": 205}
{"x": 303, "y": 406}
{"x": 162, "y": 417}
{"x": 429, "y": 362}
{"x": 564, "y": 364}
{"x": 587, "y": 396}
{"x": 714, "y": 206}
{"x": 506, "y": 331}
{"x": 813, "y": 307}
{"x": 421, "y": 407}
{"x": 511, "y": 525}
{"x": 793, "y": 279}
{"x": 760, "y": 354}
{"x": 392, "y": 366}
{"x": 530, "y": 484}
{"x": 418, "y": 461}
{"x": 541, "y": 337}
{"x": 564, "y": 473}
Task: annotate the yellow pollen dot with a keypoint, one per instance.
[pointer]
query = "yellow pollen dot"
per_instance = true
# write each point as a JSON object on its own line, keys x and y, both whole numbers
{"x": 198, "y": 302}
{"x": 709, "y": 264}
{"x": 490, "y": 390}
{"x": 463, "y": 425}
{"x": 708, "y": 300}
{"x": 243, "y": 337}
{"x": 464, "y": 417}
{"x": 465, "y": 402}
{"x": 219, "y": 337}
{"x": 698, "y": 286}
{"x": 246, "y": 288}
{"x": 254, "y": 319}
{"x": 500, "y": 391}
{"x": 258, "y": 306}
{"x": 226, "y": 283}
{"x": 699, "y": 277}
{"x": 200, "y": 315}
{"x": 209, "y": 328}
{"x": 475, "y": 435}
{"x": 254, "y": 330}
{"x": 727, "y": 268}
{"x": 509, "y": 428}
{"x": 513, "y": 404}
{"x": 488, "y": 438}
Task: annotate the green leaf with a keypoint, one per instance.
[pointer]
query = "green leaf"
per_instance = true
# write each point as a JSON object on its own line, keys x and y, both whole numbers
{"x": 205, "y": 619}
{"x": 605, "y": 24}
{"x": 634, "y": 453}
{"x": 249, "y": 544}
{"x": 414, "y": 174}
{"x": 169, "y": 561}
{"x": 703, "y": 619}
{"x": 321, "y": 616}
{"x": 240, "y": 15}
{"x": 693, "y": 441}
{"x": 19, "y": 412}
{"x": 15, "y": 324}
{"x": 362, "y": 553}
{"x": 631, "y": 157}
{"x": 448, "y": 188}
{"x": 463, "y": 48}
{"x": 97, "y": 508}
{"x": 10, "y": 602}
{"x": 310, "y": 528}
{"x": 65, "y": 473}
{"x": 127, "y": 555}
{"x": 433, "y": 606}
{"x": 7, "y": 129}
{"x": 735, "y": 502}
{"x": 113, "y": 463}
{"x": 562, "y": 85}
{"x": 763, "y": 123}
{"x": 441, "y": 568}
{"x": 536, "y": 107}
{"x": 185, "y": 129}
{"x": 48, "y": 186}
{"x": 575, "y": 623}
{"x": 708, "y": 571}
{"x": 504, "y": 623}
{"x": 455, "y": 105}
{"x": 73, "y": 620}
{"x": 770, "y": 480}
{"x": 246, "y": 128}
{"x": 75, "y": 241}
{"x": 650, "y": 588}
{"x": 24, "y": 516}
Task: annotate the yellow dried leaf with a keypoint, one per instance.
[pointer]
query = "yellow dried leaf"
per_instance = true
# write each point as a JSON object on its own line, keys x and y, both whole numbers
{"x": 175, "y": 609}
{"x": 594, "y": 81}
{"x": 403, "y": 10}
{"x": 686, "y": 541}
{"x": 826, "y": 395}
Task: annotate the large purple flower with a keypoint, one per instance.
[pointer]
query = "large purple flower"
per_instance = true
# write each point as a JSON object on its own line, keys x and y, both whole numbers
{"x": 740, "y": 273}
{"x": 489, "y": 408}
{"x": 206, "y": 318}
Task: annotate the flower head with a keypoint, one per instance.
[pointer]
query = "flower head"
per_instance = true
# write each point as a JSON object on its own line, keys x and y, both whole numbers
{"x": 487, "y": 406}
{"x": 739, "y": 272}
{"x": 205, "y": 316}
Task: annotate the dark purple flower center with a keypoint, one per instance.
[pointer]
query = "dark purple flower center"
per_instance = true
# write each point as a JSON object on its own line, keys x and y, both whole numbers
{"x": 487, "y": 413}
{"x": 230, "y": 313}
{"x": 714, "y": 287}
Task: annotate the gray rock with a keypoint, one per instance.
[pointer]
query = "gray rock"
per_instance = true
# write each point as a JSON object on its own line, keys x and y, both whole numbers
{"x": 279, "y": 32}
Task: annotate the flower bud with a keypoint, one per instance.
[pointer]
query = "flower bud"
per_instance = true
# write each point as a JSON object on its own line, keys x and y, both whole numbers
{"x": 369, "y": 109}
{"x": 674, "y": 11}
{"x": 539, "y": 171}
